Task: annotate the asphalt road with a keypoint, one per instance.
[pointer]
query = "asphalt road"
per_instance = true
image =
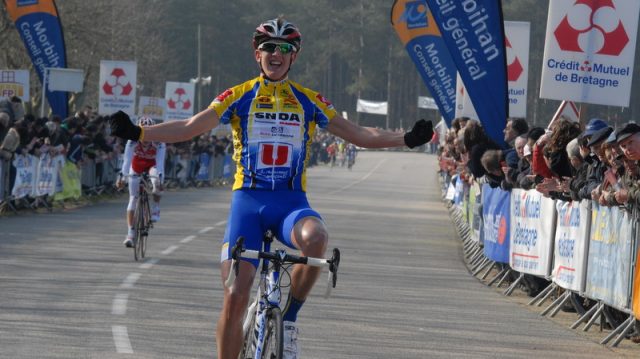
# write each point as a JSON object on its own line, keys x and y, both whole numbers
{"x": 69, "y": 289}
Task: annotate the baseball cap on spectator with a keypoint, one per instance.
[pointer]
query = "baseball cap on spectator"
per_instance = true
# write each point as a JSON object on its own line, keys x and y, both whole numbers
{"x": 611, "y": 140}
{"x": 626, "y": 131}
{"x": 593, "y": 126}
{"x": 599, "y": 136}
{"x": 526, "y": 150}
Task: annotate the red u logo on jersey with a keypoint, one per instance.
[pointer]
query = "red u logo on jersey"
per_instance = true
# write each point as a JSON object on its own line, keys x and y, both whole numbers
{"x": 274, "y": 154}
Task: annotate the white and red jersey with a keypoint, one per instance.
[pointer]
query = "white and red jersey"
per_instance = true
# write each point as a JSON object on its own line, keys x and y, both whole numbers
{"x": 140, "y": 156}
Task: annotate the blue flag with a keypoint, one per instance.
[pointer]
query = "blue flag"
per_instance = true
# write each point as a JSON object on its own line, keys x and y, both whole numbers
{"x": 39, "y": 26}
{"x": 418, "y": 32}
{"x": 474, "y": 33}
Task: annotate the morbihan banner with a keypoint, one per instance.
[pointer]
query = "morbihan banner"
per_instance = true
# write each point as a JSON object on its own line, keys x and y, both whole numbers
{"x": 517, "y": 45}
{"x": 378, "y": 108}
{"x": 421, "y": 37}
{"x": 589, "y": 51}
{"x": 117, "y": 87}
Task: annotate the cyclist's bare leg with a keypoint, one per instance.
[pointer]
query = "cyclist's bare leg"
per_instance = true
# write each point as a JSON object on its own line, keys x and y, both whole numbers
{"x": 236, "y": 298}
{"x": 310, "y": 235}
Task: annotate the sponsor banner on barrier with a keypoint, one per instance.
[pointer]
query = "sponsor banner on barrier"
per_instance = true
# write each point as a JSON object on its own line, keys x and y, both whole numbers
{"x": 458, "y": 198}
{"x": 47, "y": 174}
{"x": 69, "y": 177}
{"x": 589, "y": 51}
{"x": 531, "y": 237}
{"x": 26, "y": 166}
{"x": 571, "y": 245}
{"x": 451, "y": 189}
{"x": 635, "y": 302}
{"x": 496, "y": 218}
{"x": 609, "y": 263}
{"x": 472, "y": 207}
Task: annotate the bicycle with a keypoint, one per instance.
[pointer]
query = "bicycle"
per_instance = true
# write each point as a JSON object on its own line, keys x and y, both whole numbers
{"x": 142, "y": 216}
{"x": 262, "y": 327}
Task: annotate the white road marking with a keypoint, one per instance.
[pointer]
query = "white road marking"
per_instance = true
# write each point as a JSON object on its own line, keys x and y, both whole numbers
{"x": 130, "y": 281}
{"x": 169, "y": 250}
{"x": 221, "y": 223}
{"x": 150, "y": 263}
{"x": 360, "y": 180}
{"x": 205, "y": 230}
{"x": 121, "y": 339}
{"x": 119, "y": 306}
{"x": 189, "y": 238}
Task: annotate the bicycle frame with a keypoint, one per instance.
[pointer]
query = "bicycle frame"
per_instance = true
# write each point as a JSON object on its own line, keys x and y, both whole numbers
{"x": 265, "y": 307}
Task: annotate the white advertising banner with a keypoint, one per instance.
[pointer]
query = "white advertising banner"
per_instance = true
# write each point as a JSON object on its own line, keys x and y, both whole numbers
{"x": 464, "y": 107}
{"x": 154, "y": 107}
{"x": 531, "y": 237}
{"x": 117, "y": 87}
{"x": 180, "y": 97}
{"x": 609, "y": 264}
{"x": 69, "y": 80}
{"x": 378, "y": 108}
{"x": 517, "y": 45}
{"x": 427, "y": 103}
{"x": 26, "y": 166}
{"x": 47, "y": 175}
{"x": 571, "y": 245}
{"x": 15, "y": 83}
{"x": 589, "y": 51}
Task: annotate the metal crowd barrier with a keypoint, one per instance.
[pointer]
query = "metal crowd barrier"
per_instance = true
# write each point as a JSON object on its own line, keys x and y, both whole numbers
{"x": 98, "y": 177}
{"x": 595, "y": 260}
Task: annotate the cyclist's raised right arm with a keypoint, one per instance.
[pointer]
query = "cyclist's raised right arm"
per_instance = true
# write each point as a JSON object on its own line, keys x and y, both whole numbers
{"x": 179, "y": 131}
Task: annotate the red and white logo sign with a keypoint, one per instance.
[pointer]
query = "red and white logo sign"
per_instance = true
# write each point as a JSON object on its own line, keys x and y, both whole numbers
{"x": 592, "y": 26}
{"x": 117, "y": 83}
{"x": 514, "y": 67}
{"x": 117, "y": 87}
{"x": 179, "y": 100}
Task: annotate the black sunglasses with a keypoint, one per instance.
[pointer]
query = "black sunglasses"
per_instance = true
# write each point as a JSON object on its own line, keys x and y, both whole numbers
{"x": 270, "y": 47}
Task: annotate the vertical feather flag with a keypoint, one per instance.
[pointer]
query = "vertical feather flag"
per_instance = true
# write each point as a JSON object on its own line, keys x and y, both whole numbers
{"x": 474, "y": 33}
{"x": 418, "y": 32}
{"x": 39, "y": 26}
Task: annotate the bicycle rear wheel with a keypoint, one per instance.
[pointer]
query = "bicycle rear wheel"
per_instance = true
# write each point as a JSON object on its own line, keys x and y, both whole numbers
{"x": 273, "y": 340}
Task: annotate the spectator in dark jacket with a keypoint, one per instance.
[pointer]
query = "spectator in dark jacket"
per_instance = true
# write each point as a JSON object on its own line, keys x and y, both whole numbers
{"x": 476, "y": 142}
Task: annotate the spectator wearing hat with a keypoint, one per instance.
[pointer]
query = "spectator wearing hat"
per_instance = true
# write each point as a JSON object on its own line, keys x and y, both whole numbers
{"x": 628, "y": 139}
{"x": 614, "y": 173}
{"x": 596, "y": 170}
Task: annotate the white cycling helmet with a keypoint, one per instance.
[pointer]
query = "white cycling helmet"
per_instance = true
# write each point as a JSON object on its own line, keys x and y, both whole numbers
{"x": 277, "y": 29}
{"x": 146, "y": 121}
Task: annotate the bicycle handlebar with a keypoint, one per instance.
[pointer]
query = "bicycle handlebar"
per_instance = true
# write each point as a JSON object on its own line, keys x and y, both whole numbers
{"x": 281, "y": 257}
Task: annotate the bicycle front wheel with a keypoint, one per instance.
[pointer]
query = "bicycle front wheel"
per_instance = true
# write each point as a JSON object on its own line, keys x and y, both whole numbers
{"x": 273, "y": 340}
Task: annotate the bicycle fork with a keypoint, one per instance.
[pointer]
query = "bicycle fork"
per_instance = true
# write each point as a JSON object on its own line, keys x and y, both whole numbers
{"x": 259, "y": 308}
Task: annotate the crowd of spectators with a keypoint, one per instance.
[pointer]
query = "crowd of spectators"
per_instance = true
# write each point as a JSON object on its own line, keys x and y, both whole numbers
{"x": 563, "y": 161}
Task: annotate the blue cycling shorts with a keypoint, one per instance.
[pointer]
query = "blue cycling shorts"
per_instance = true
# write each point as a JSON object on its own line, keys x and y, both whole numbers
{"x": 253, "y": 212}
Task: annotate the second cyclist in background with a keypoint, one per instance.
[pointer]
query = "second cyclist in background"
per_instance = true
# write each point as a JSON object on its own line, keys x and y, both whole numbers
{"x": 141, "y": 156}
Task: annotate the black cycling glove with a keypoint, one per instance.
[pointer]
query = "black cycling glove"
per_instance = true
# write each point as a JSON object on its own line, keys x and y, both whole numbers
{"x": 420, "y": 134}
{"x": 121, "y": 126}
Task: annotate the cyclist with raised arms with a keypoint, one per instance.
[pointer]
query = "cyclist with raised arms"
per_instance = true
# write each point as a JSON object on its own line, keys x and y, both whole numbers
{"x": 273, "y": 120}
{"x": 141, "y": 156}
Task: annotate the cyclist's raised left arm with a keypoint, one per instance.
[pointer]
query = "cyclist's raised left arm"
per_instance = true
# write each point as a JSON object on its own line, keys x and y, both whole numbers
{"x": 160, "y": 156}
{"x": 367, "y": 137}
{"x": 178, "y": 131}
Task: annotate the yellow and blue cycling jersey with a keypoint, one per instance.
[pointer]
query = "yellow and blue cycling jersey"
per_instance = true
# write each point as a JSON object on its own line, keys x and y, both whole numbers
{"x": 273, "y": 125}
